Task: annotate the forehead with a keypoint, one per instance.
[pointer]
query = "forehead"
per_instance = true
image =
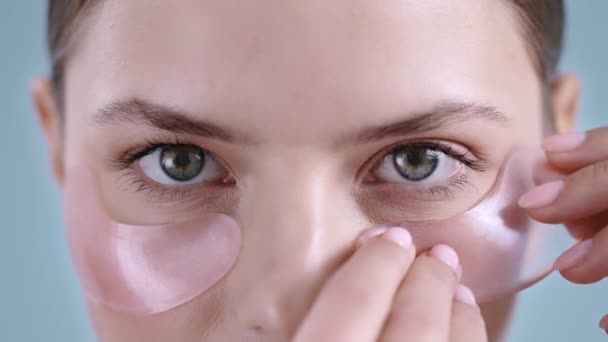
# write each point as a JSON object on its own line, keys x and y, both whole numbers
{"x": 304, "y": 66}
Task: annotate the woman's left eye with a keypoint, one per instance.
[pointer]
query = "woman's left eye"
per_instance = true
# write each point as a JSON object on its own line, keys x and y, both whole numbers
{"x": 418, "y": 165}
{"x": 181, "y": 165}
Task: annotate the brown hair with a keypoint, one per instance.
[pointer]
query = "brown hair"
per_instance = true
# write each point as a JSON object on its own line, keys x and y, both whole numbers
{"x": 542, "y": 24}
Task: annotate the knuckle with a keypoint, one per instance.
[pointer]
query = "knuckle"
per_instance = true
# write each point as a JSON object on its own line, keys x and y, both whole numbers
{"x": 594, "y": 175}
{"x": 600, "y": 171}
{"x": 406, "y": 313}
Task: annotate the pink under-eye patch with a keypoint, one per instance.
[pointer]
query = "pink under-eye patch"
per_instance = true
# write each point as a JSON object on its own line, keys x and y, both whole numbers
{"x": 148, "y": 269}
{"x": 143, "y": 270}
{"x": 501, "y": 249}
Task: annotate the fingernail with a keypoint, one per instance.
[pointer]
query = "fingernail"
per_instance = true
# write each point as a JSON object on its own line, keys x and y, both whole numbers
{"x": 545, "y": 173}
{"x": 573, "y": 256}
{"x": 464, "y": 295}
{"x": 371, "y": 233}
{"x": 604, "y": 323}
{"x": 447, "y": 255}
{"x": 564, "y": 142}
{"x": 542, "y": 195}
{"x": 400, "y": 236}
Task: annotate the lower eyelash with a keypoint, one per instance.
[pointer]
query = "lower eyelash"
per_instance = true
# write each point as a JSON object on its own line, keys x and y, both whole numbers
{"x": 189, "y": 199}
{"x": 461, "y": 183}
{"x": 132, "y": 178}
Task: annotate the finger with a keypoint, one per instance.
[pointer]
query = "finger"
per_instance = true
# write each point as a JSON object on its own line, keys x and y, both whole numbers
{"x": 587, "y": 261}
{"x": 604, "y": 323}
{"x": 467, "y": 323}
{"x": 355, "y": 301}
{"x": 423, "y": 304}
{"x": 584, "y": 193}
{"x": 544, "y": 173}
{"x": 573, "y": 151}
{"x": 587, "y": 227}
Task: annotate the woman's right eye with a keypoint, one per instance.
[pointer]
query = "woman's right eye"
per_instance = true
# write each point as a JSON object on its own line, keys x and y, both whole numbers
{"x": 181, "y": 165}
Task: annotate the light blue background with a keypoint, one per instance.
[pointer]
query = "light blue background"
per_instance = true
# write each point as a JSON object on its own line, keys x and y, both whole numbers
{"x": 39, "y": 294}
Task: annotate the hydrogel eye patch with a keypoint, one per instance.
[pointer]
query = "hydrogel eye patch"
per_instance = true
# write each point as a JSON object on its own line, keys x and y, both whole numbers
{"x": 502, "y": 250}
{"x": 144, "y": 270}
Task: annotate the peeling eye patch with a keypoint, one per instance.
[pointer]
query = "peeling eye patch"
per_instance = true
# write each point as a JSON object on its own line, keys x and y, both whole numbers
{"x": 502, "y": 250}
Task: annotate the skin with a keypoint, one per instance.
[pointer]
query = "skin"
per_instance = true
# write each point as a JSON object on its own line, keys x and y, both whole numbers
{"x": 294, "y": 77}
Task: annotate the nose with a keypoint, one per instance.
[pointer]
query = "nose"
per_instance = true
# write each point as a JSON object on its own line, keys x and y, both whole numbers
{"x": 299, "y": 223}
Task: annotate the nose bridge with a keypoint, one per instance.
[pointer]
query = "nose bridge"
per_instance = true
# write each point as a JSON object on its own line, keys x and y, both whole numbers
{"x": 297, "y": 224}
{"x": 297, "y": 204}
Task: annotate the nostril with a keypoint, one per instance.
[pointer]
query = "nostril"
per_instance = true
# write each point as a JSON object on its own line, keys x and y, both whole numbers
{"x": 261, "y": 333}
{"x": 257, "y": 329}
{"x": 260, "y": 319}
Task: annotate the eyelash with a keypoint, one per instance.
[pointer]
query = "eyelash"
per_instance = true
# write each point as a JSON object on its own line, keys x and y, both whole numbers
{"x": 127, "y": 159}
{"x": 445, "y": 190}
{"x": 474, "y": 164}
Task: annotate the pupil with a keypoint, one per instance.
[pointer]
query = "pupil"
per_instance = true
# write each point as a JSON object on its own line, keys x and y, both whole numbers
{"x": 182, "y": 159}
{"x": 415, "y": 157}
{"x": 182, "y": 162}
{"x": 415, "y": 164}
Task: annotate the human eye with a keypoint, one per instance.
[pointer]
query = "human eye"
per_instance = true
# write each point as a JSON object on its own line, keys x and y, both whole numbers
{"x": 423, "y": 179}
{"x": 424, "y": 164}
{"x": 173, "y": 170}
{"x": 181, "y": 165}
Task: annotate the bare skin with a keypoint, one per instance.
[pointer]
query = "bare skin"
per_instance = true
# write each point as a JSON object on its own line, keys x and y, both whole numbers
{"x": 292, "y": 80}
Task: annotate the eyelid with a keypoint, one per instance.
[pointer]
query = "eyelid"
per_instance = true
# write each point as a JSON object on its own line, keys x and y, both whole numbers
{"x": 447, "y": 169}
{"x": 147, "y": 146}
{"x": 128, "y": 163}
{"x": 441, "y": 145}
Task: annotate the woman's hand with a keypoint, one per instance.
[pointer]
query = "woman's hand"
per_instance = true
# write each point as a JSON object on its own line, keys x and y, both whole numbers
{"x": 384, "y": 293}
{"x": 579, "y": 200}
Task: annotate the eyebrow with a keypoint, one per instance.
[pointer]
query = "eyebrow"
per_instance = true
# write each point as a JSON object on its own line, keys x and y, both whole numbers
{"x": 165, "y": 118}
{"x": 171, "y": 119}
{"x": 444, "y": 114}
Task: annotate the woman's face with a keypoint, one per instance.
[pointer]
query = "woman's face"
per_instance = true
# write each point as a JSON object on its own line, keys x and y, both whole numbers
{"x": 295, "y": 105}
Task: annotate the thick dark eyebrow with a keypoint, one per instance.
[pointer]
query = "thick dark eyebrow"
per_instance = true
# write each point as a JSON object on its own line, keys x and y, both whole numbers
{"x": 444, "y": 114}
{"x": 163, "y": 117}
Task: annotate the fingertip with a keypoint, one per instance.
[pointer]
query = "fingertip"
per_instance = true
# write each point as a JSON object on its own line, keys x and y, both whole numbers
{"x": 574, "y": 256}
{"x": 400, "y": 236}
{"x": 447, "y": 255}
{"x": 464, "y": 295}
{"x": 564, "y": 142}
{"x": 370, "y": 234}
{"x": 542, "y": 195}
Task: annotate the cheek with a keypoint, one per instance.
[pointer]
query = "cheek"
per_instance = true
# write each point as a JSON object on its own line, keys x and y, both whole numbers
{"x": 144, "y": 270}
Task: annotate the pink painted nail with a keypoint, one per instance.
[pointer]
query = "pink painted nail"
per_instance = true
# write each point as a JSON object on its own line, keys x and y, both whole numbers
{"x": 399, "y": 235}
{"x": 564, "y": 142}
{"x": 604, "y": 323}
{"x": 573, "y": 256}
{"x": 542, "y": 195}
{"x": 447, "y": 255}
{"x": 464, "y": 295}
